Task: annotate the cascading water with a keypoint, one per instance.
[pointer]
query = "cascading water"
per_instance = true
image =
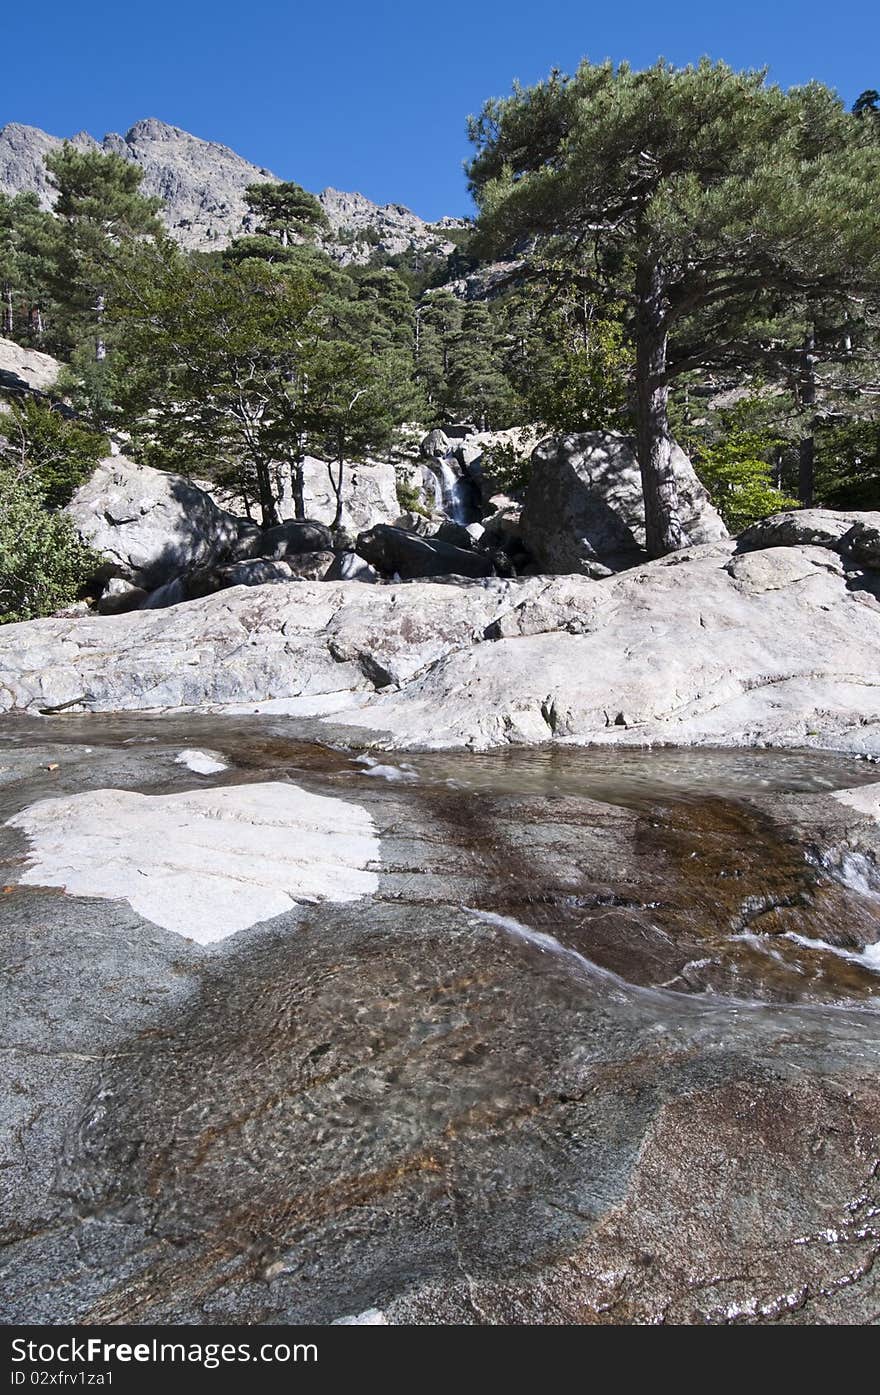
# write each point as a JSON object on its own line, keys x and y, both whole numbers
{"x": 453, "y": 494}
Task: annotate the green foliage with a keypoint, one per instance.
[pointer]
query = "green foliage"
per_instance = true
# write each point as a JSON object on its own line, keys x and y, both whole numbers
{"x": 701, "y": 199}
{"x": 409, "y": 498}
{"x": 285, "y": 211}
{"x": 507, "y": 465}
{"x": 476, "y": 386}
{"x": 28, "y": 246}
{"x": 99, "y": 212}
{"x": 212, "y": 363}
{"x": 737, "y": 475}
{"x": 583, "y": 388}
{"x": 239, "y": 370}
{"x": 49, "y": 449}
{"x": 848, "y": 464}
{"x": 43, "y": 565}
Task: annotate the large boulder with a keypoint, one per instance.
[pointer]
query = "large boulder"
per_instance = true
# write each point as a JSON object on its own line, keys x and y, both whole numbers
{"x": 258, "y": 571}
{"x": 584, "y": 502}
{"x": 435, "y": 445}
{"x": 26, "y": 370}
{"x": 149, "y": 525}
{"x": 348, "y": 566}
{"x": 369, "y": 494}
{"x": 287, "y": 539}
{"x": 394, "y": 552}
{"x": 853, "y": 534}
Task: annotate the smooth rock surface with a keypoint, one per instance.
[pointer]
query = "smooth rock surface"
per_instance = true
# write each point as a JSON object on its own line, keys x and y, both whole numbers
{"x": 805, "y": 527}
{"x": 26, "y": 370}
{"x": 709, "y": 646}
{"x": 202, "y": 864}
{"x": 569, "y": 1061}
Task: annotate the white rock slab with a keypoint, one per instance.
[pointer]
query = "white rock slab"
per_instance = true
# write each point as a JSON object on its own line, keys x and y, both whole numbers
{"x": 370, "y": 1317}
{"x": 202, "y": 762}
{"x": 864, "y": 798}
{"x": 205, "y": 863}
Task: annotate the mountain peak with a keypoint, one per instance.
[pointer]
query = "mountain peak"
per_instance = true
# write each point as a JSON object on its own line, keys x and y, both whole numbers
{"x": 202, "y": 187}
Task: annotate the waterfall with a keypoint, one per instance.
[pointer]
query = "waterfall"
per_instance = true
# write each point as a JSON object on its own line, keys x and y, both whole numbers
{"x": 453, "y": 493}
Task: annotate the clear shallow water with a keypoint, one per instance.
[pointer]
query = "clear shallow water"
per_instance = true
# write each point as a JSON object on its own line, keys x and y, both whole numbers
{"x": 692, "y": 887}
{"x": 604, "y": 773}
{"x": 621, "y": 776}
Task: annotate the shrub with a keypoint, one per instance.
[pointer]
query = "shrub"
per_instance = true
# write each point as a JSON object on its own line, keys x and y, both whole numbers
{"x": 39, "y": 443}
{"x": 43, "y": 564}
{"x": 737, "y": 476}
{"x": 410, "y": 499}
{"x": 505, "y": 464}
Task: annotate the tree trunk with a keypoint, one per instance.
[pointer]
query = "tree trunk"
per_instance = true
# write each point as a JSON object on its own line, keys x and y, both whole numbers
{"x": 337, "y": 488}
{"x": 297, "y": 487}
{"x": 663, "y": 532}
{"x": 8, "y": 316}
{"x": 807, "y": 452}
{"x": 268, "y": 507}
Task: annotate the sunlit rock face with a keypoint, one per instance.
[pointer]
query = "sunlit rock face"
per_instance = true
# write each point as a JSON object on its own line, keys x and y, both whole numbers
{"x": 204, "y": 863}
{"x": 202, "y": 187}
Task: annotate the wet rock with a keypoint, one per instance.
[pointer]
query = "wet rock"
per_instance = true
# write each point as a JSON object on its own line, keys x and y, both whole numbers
{"x": 398, "y": 1106}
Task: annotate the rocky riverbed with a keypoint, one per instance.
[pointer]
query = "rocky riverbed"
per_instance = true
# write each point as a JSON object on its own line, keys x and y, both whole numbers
{"x": 539, "y": 1035}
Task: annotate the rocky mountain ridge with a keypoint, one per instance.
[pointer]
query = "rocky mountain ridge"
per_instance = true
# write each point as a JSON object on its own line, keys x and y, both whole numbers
{"x": 201, "y": 184}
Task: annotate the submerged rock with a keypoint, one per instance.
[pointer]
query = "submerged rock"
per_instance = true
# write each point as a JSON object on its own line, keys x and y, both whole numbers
{"x": 564, "y": 1060}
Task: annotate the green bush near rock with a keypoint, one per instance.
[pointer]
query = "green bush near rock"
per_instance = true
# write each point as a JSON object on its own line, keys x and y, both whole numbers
{"x": 737, "y": 476}
{"x": 43, "y": 564}
{"x": 42, "y": 444}
{"x": 409, "y": 498}
{"x": 507, "y": 466}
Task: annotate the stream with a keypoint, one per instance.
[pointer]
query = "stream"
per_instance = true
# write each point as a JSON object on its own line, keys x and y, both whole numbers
{"x": 531, "y": 1036}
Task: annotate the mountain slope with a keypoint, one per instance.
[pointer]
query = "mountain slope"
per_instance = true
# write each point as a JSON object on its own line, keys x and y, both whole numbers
{"x": 202, "y": 183}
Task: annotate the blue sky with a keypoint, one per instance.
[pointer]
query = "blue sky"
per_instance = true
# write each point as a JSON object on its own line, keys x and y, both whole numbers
{"x": 374, "y": 96}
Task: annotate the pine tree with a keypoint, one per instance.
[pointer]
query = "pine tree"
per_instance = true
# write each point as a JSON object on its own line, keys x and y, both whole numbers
{"x": 694, "y": 196}
{"x": 100, "y": 209}
{"x": 212, "y": 364}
